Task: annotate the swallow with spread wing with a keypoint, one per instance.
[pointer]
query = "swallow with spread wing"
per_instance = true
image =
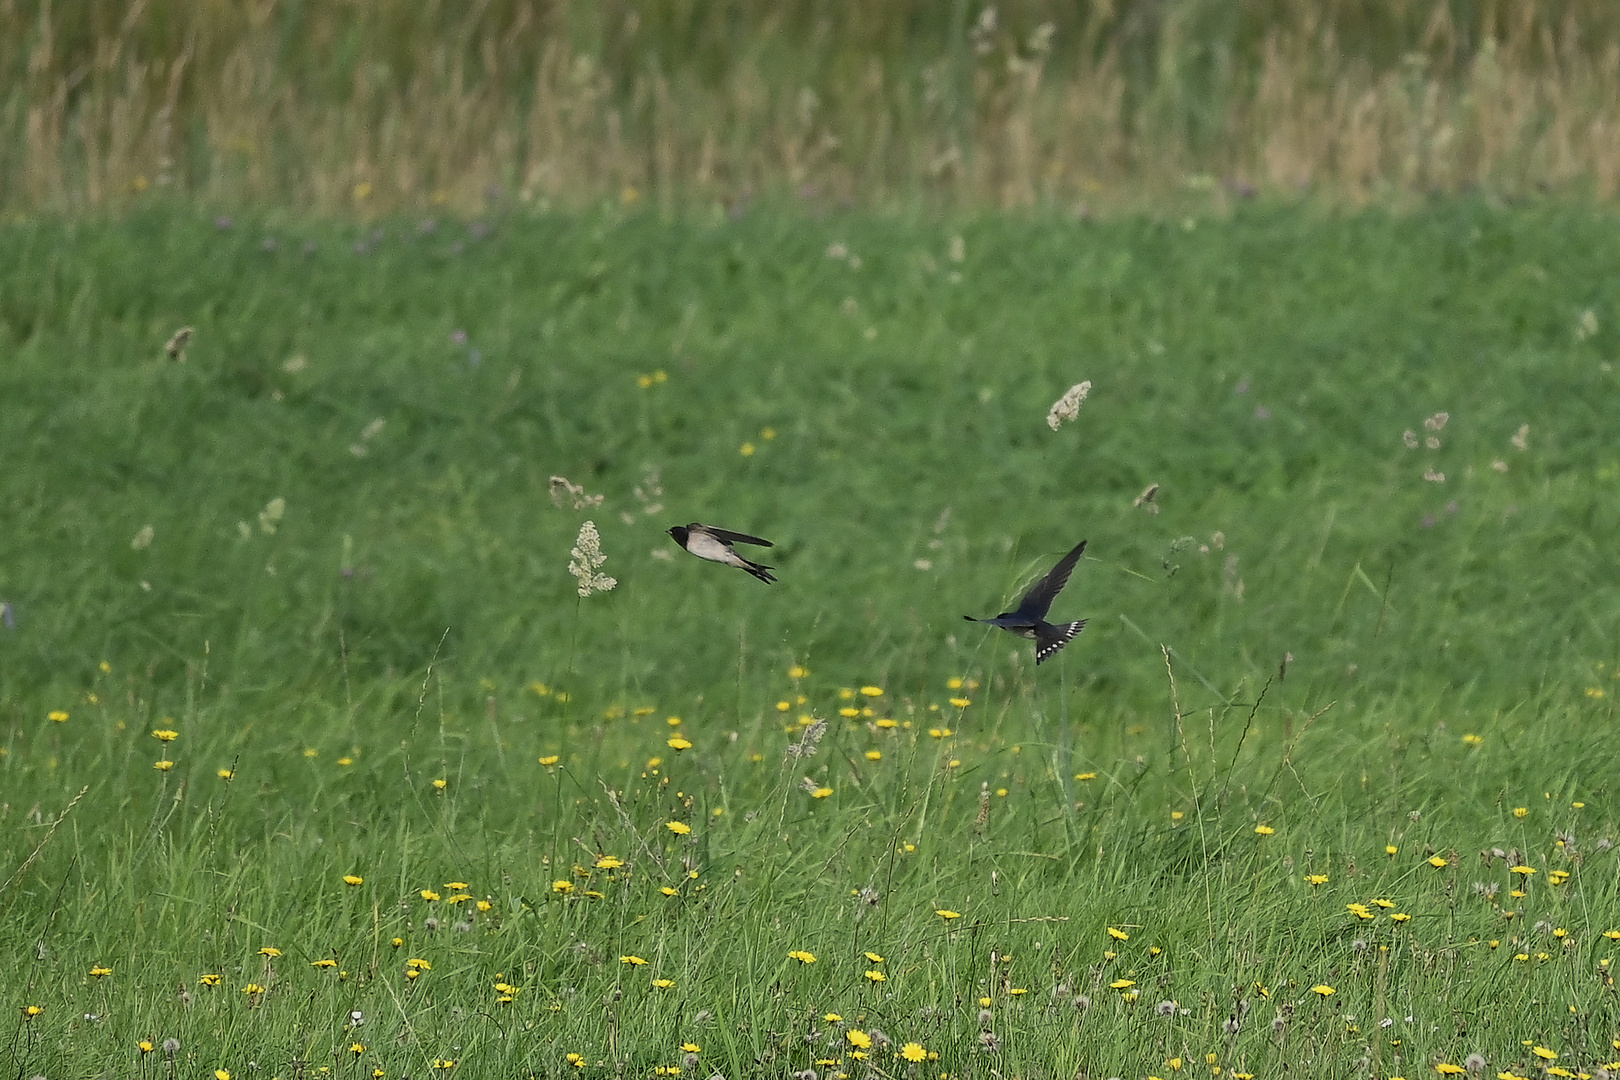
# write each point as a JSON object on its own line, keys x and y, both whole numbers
{"x": 708, "y": 542}
{"x": 1028, "y": 619}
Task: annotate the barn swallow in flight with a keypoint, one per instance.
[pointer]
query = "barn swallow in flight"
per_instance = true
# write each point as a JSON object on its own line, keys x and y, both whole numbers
{"x": 1029, "y": 618}
{"x": 707, "y": 542}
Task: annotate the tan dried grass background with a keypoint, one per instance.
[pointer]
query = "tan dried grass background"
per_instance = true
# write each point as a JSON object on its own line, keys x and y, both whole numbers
{"x": 381, "y": 105}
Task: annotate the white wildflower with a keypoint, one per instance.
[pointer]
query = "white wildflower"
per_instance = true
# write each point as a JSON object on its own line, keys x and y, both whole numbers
{"x": 1587, "y": 325}
{"x": 176, "y": 345}
{"x": 1067, "y": 407}
{"x": 270, "y": 516}
{"x": 143, "y": 539}
{"x": 587, "y": 559}
{"x": 806, "y": 746}
{"x": 571, "y": 496}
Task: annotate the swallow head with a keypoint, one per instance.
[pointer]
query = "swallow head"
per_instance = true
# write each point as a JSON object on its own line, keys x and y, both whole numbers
{"x": 679, "y": 532}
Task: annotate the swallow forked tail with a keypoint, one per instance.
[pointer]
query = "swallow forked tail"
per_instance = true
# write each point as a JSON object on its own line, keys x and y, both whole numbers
{"x": 1050, "y": 637}
{"x": 759, "y": 570}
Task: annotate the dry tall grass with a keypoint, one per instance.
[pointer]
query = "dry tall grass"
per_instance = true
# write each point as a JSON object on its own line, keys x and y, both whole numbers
{"x": 378, "y": 105}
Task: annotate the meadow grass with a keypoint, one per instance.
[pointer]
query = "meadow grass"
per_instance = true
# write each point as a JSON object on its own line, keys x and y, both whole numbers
{"x": 383, "y": 106}
{"x": 315, "y": 761}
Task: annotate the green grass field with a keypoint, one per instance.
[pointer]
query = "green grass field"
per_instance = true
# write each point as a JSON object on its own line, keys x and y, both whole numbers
{"x": 425, "y": 808}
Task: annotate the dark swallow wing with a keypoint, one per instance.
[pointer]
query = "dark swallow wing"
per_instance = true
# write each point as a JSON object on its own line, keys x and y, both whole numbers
{"x": 736, "y": 537}
{"x": 1036, "y": 602}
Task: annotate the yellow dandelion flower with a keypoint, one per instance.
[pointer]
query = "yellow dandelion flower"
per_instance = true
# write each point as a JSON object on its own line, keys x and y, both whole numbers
{"x": 165, "y": 735}
{"x": 1521, "y": 811}
{"x": 550, "y": 760}
{"x": 872, "y": 957}
{"x": 1544, "y": 1054}
{"x": 327, "y": 962}
{"x": 1437, "y": 861}
{"x": 57, "y": 715}
{"x": 608, "y": 862}
{"x": 679, "y": 828}
{"x": 562, "y": 885}
{"x": 802, "y": 956}
{"x": 1473, "y": 740}
{"x": 1316, "y": 879}
{"x": 858, "y": 1038}
{"x": 210, "y": 980}
{"x": 353, "y": 879}
{"x": 1323, "y": 989}
{"x": 1400, "y": 916}
{"x": 1122, "y": 984}
{"x": 100, "y": 972}
{"x": 224, "y": 774}
{"x": 1446, "y": 1068}
{"x": 877, "y": 976}
{"x": 874, "y": 755}
{"x": 635, "y": 960}
{"x": 821, "y": 793}
{"x": 678, "y": 744}
{"x": 913, "y": 1052}
{"x": 663, "y": 984}
{"x": 145, "y": 1046}
{"x": 1391, "y": 849}
{"x": 1117, "y": 934}
{"x": 1525, "y": 870}
{"x": 1264, "y": 830}
{"x": 163, "y": 766}
{"x": 270, "y": 951}
{"x": 947, "y": 914}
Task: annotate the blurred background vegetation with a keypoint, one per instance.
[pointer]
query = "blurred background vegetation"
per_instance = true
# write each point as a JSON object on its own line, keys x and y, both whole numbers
{"x": 382, "y": 105}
